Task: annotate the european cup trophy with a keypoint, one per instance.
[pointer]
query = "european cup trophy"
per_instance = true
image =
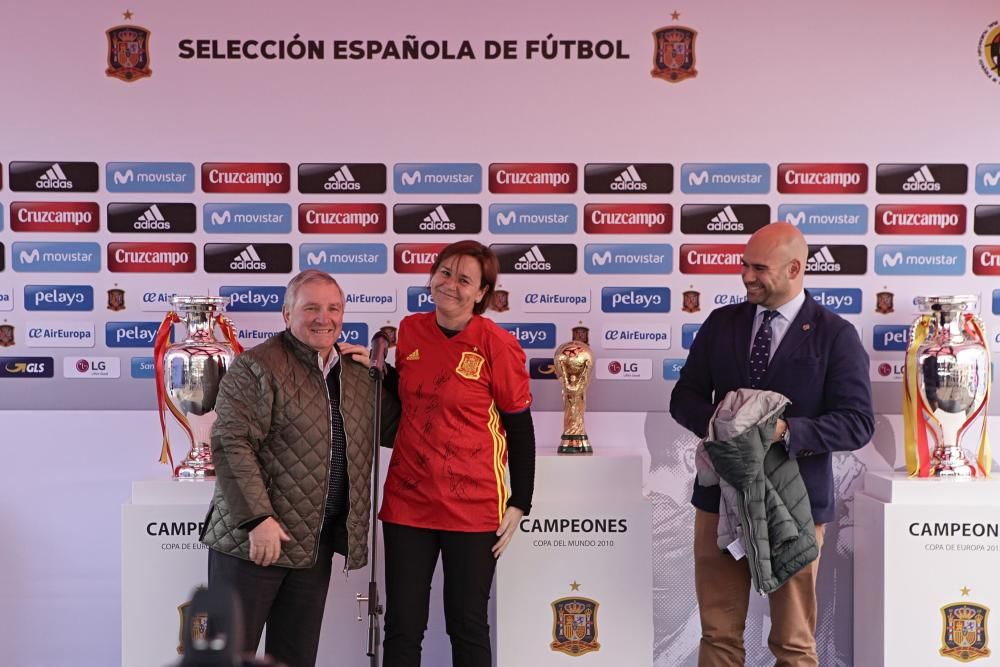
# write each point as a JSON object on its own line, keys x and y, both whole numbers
{"x": 188, "y": 375}
{"x": 574, "y": 365}
{"x": 946, "y": 388}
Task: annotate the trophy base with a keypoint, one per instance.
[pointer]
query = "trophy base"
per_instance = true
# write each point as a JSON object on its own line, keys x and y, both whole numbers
{"x": 196, "y": 466}
{"x": 575, "y": 444}
{"x": 952, "y": 462}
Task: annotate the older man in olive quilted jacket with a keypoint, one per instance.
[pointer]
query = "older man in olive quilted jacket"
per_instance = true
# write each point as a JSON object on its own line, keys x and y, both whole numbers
{"x": 292, "y": 446}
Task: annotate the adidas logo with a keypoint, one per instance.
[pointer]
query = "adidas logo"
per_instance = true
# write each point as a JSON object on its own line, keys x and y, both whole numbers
{"x": 248, "y": 260}
{"x": 152, "y": 219}
{"x": 991, "y": 180}
{"x": 822, "y": 261}
{"x": 342, "y": 179}
{"x": 414, "y": 356}
{"x": 533, "y": 260}
{"x": 725, "y": 221}
{"x": 54, "y": 179}
{"x": 437, "y": 221}
{"x": 629, "y": 180}
{"x": 922, "y": 180}
{"x": 123, "y": 178}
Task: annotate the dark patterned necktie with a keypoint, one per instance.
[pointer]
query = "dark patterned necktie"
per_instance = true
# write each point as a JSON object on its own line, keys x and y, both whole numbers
{"x": 760, "y": 353}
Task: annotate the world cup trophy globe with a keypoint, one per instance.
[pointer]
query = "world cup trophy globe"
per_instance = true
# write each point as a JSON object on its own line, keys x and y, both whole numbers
{"x": 188, "y": 374}
{"x": 946, "y": 388}
{"x": 574, "y": 367}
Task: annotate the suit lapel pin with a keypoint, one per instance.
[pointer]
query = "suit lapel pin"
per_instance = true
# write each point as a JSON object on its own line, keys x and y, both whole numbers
{"x": 806, "y": 326}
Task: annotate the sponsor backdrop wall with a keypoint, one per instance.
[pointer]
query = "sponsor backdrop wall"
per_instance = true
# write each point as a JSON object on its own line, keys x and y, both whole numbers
{"x": 615, "y": 156}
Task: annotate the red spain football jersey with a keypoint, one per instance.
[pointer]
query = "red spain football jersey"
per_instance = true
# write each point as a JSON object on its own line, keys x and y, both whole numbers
{"x": 449, "y": 463}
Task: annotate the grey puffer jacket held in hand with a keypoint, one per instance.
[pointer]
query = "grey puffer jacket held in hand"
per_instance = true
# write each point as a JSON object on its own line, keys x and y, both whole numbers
{"x": 767, "y": 495}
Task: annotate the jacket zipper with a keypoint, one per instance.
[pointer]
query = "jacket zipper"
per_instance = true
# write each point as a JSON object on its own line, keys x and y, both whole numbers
{"x": 329, "y": 459}
{"x": 347, "y": 469}
{"x": 751, "y": 541}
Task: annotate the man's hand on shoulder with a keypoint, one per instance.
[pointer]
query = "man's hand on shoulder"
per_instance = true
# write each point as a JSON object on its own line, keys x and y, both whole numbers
{"x": 265, "y": 542}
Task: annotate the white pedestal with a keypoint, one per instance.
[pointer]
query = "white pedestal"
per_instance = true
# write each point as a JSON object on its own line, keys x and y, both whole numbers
{"x": 922, "y": 545}
{"x": 162, "y": 563}
{"x": 589, "y": 526}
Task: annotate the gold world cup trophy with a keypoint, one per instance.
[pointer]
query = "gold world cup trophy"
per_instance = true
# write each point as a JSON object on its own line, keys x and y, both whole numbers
{"x": 574, "y": 365}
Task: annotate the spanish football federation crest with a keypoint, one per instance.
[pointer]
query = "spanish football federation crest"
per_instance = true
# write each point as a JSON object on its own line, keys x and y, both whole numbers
{"x": 581, "y": 334}
{"x": 116, "y": 299}
{"x": 6, "y": 335}
{"x": 470, "y": 365}
{"x": 128, "y": 52}
{"x": 574, "y": 626}
{"x": 673, "y": 54}
{"x": 692, "y": 302}
{"x": 964, "y": 636}
{"x": 199, "y": 625}
{"x": 499, "y": 301}
{"x": 884, "y": 302}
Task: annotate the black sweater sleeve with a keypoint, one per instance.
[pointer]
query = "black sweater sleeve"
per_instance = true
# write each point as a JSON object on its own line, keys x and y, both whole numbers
{"x": 520, "y": 458}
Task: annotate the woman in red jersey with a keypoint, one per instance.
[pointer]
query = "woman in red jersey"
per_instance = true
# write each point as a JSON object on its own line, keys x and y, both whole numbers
{"x": 466, "y": 405}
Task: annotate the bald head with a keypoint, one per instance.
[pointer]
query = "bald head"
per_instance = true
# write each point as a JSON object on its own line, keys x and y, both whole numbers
{"x": 774, "y": 264}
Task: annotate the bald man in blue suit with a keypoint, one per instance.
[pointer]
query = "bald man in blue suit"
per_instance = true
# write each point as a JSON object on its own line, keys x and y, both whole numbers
{"x": 780, "y": 340}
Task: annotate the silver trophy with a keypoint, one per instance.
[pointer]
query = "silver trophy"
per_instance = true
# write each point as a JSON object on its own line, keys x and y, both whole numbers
{"x": 192, "y": 370}
{"x": 952, "y": 377}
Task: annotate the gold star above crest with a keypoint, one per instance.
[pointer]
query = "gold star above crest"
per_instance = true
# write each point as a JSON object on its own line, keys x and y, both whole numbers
{"x": 965, "y": 591}
{"x": 127, "y": 14}
{"x": 574, "y": 586}
{"x": 675, "y": 15}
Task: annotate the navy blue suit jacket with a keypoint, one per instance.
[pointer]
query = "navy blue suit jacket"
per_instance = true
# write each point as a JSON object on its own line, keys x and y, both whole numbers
{"x": 820, "y": 366}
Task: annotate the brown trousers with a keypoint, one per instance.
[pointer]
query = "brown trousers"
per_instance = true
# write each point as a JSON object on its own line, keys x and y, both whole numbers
{"x": 722, "y": 585}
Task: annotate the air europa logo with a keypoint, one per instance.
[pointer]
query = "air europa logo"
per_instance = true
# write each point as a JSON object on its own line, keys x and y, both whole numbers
{"x": 342, "y": 218}
{"x": 533, "y": 178}
{"x": 822, "y": 178}
{"x": 54, "y": 216}
{"x": 151, "y": 257}
{"x": 415, "y": 257}
{"x": 246, "y": 177}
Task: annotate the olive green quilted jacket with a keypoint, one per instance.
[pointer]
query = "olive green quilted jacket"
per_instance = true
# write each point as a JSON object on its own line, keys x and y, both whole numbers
{"x": 272, "y": 446}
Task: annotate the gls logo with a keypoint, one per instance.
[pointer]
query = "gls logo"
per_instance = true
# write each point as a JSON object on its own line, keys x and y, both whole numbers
{"x": 130, "y": 334}
{"x": 891, "y": 337}
{"x": 635, "y": 299}
{"x": 58, "y": 297}
{"x": 419, "y": 300}
{"x": 149, "y": 176}
{"x": 26, "y": 367}
{"x": 437, "y": 178}
{"x": 256, "y": 299}
{"x": 532, "y": 335}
